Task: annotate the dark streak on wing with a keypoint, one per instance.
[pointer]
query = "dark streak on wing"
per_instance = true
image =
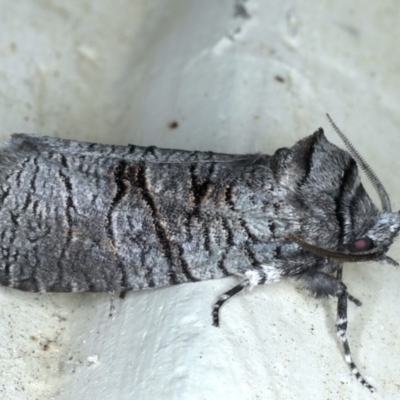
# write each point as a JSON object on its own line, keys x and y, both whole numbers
{"x": 229, "y": 197}
{"x": 229, "y": 233}
{"x": 221, "y": 265}
{"x": 120, "y": 192}
{"x": 32, "y": 186}
{"x": 141, "y": 182}
{"x": 341, "y": 205}
{"x": 199, "y": 191}
{"x": 185, "y": 267}
{"x": 307, "y": 159}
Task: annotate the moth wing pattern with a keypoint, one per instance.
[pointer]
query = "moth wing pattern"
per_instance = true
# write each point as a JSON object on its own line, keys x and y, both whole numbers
{"x": 90, "y": 217}
{"x": 93, "y": 217}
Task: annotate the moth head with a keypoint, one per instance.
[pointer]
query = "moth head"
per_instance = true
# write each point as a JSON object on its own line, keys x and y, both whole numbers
{"x": 375, "y": 254}
{"x": 379, "y": 237}
{"x": 370, "y": 243}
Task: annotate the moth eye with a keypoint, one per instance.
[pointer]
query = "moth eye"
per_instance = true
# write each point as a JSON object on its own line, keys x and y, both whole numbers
{"x": 363, "y": 244}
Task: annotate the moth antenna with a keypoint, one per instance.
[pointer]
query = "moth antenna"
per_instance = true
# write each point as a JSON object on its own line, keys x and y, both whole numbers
{"x": 336, "y": 255}
{"x": 376, "y": 183}
{"x": 389, "y": 260}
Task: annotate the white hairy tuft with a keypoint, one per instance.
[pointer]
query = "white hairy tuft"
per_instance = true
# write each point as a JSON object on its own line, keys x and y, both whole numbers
{"x": 273, "y": 274}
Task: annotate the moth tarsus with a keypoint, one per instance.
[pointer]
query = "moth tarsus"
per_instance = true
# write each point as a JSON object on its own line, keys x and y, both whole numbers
{"x": 355, "y": 301}
{"x": 90, "y": 217}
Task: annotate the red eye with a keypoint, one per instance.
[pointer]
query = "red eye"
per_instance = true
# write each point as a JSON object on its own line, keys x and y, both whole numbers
{"x": 363, "y": 244}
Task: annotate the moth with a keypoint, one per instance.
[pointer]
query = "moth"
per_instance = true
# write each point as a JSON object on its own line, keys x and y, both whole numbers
{"x": 89, "y": 217}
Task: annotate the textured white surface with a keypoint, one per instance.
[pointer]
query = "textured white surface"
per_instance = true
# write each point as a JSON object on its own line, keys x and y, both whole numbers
{"x": 121, "y": 72}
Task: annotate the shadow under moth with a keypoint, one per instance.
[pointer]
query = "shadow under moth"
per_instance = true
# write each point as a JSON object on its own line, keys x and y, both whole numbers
{"x": 89, "y": 217}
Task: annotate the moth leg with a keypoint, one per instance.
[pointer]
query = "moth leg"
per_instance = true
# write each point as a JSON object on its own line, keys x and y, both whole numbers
{"x": 323, "y": 285}
{"x": 354, "y": 300}
{"x": 341, "y": 327}
{"x": 224, "y": 297}
{"x": 339, "y": 274}
{"x": 253, "y": 278}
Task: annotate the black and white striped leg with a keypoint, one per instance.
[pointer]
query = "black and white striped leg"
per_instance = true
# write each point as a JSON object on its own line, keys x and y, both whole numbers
{"x": 341, "y": 327}
{"x": 323, "y": 285}
{"x": 253, "y": 278}
{"x": 224, "y": 297}
{"x": 339, "y": 274}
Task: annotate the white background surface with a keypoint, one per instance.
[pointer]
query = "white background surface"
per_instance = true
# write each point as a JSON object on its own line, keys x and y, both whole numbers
{"x": 121, "y": 72}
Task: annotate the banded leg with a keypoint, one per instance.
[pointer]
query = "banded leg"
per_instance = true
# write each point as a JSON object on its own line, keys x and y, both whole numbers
{"x": 224, "y": 297}
{"x": 253, "y": 278}
{"x": 339, "y": 274}
{"x": 323, "y": 285}
{"x": 341, "y": 328}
